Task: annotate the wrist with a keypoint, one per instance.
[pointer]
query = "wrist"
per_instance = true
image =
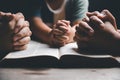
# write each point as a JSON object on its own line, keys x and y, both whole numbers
{"x": 71, "y": 35}
{"x": 50, "y": 37}
{"x": 116, "y": 41}
{"x": 116, "y": 36}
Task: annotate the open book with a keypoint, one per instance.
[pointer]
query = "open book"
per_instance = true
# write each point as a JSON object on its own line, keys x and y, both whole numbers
{"x": 42, "y": 55}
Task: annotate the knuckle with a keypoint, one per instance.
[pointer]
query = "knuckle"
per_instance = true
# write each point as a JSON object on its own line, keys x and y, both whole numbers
{"x": 30, "y": 33}
{"x": 26, "y": 40}
{"x": 22, "y": 47}
{"x": 96, "y": 12}
{"x": 20, "y": 14}
{"x": 20, "y": 34}
{"x": 27, "y": 24}
{"x": 114, "y": 19}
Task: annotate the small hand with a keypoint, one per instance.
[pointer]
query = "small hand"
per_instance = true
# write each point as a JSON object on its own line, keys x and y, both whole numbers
{"x": 67, "y": 30}
{"x": 57, "y": 40}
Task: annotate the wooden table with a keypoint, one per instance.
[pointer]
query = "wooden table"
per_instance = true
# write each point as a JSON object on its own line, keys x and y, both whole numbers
{"x": 60, "y": 74}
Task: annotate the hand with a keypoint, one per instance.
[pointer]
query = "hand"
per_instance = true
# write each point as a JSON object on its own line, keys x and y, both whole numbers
{"x": 5, "y": 32}
{"x": 22, "y": 32}
{"x": 15, "y": 33}
{"x": 83, "y": 34}
{"x": 105, "y": 15}
{"x": 63, "y": 32}
{"x": 104, "y": 34}
{"x": 57, "y": 39}
{"x": 100, "y": 31}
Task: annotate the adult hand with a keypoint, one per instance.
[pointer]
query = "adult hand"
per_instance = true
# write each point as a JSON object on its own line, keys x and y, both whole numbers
{"x": 97, "y": 33}
{"x": 22, "y": 32}
{"x": 14, "y": 32}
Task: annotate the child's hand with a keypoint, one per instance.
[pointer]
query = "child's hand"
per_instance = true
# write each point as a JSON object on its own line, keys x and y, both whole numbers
{"x": 57, "y": 39}
{"x": 67, "y": 30}
{"x": 63, "y": 32}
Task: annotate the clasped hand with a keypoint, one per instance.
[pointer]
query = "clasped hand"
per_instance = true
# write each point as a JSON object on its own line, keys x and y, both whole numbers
{"x": 14, "y": 32}
{"x": 62, "y": 33}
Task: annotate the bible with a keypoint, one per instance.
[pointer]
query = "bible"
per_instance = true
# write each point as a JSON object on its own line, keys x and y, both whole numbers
{"x": 42, "y": 55}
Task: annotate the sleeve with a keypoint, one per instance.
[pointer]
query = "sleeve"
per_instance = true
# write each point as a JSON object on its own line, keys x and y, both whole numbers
{"x": 80, "y": 7}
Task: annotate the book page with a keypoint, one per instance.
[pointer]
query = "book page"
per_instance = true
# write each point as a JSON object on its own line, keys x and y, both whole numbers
{"x": 34, "y": 49}
{"x": 71, "y": 49}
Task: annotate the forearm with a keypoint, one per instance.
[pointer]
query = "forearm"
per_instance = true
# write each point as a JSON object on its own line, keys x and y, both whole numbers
{"x": 117, "y": 41}
{"x": 112, "y": 44}
{"x": 41, "y": 30}
{"x": 42, "y": 36}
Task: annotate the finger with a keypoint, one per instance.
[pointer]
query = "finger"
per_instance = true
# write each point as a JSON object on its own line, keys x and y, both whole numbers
{"x": 118, "y": 30}
{"x": 2, "y": 14}
{"x": 95, "y": 13}
{"x": 22, "y": 41}
{"x": 63, "y": 28}
{"x": 16, "y": 21}
{"x": 19, "y": 18}
{"x": 79, "y": 37}
{"x": 66, "y": 22}
{"x": 23, "y": 33}
{"x": 5, "y": 16}
{"x": 110, "y": 17}
{"x": 85, "y": 28}
{"x": 19, "y": 15}
{"x": 86, "y": 19}
{"x": 61, "y": 38}
{"x": 19, "y": 25}
{"x": 97, "y": 22}
{"x": 9, "y": 16}
{"x": 12, "y": 22}
{"x": 58, "y": 32}
{"x": 22, "y": 47}
{"x": 26, "y": 24}
{"x": 57, "y": 42}
{"x": 60, "y": 23}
